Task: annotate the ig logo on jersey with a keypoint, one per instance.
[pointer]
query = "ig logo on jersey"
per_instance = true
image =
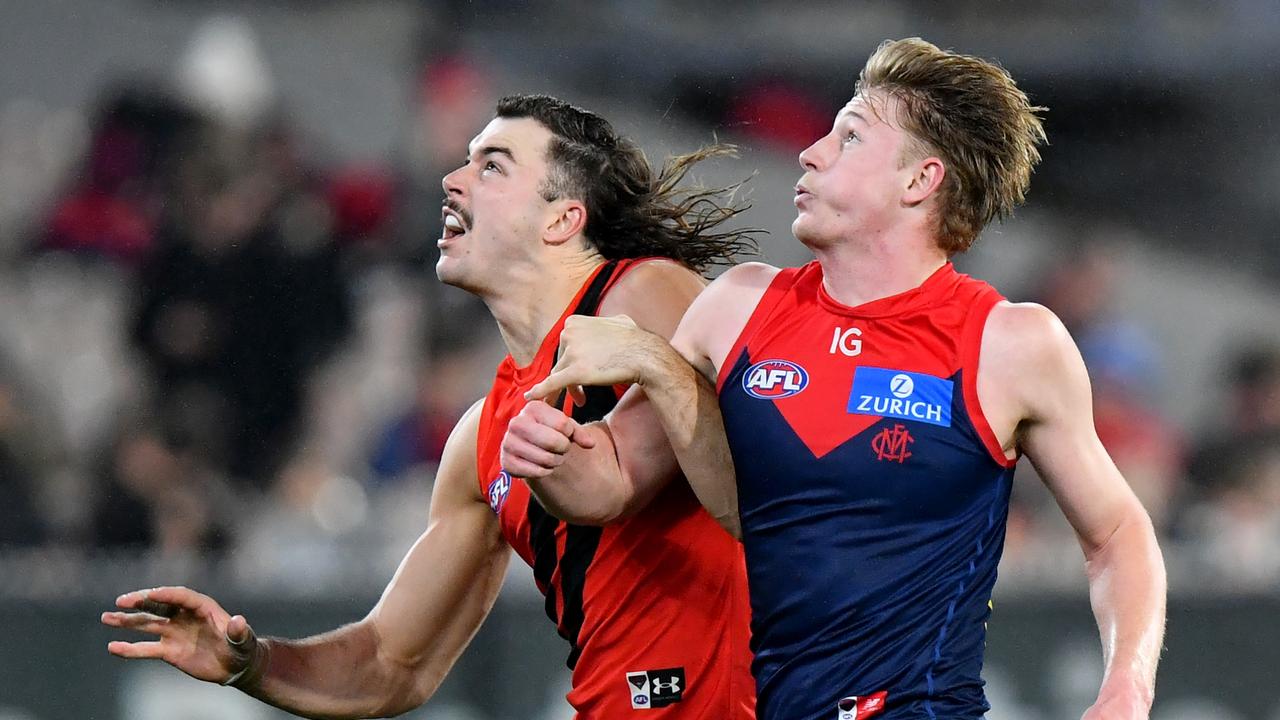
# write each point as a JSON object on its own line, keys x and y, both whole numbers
{"x": 498, "y": 490}
{"x": 774, "y": 379}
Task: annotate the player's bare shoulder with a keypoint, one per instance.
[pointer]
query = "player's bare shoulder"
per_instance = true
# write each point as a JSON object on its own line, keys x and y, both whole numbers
{"x": 1023, "y": 336}
{"x": 655, "y": 294}
{"x": 747, "y": 276}
{"x": 720, "y": 313}
{"x": 1027, "y": 354}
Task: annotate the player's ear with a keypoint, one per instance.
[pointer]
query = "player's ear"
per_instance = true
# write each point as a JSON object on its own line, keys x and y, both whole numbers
{"x": 567, "y": 219}
{"x": 924, "y": 180}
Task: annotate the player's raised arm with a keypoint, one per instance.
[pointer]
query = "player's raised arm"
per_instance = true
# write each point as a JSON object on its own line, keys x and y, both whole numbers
{"x": 1027, "y": 346}
{"x": 391, "y": 661}
{"x": 593, "y": 487}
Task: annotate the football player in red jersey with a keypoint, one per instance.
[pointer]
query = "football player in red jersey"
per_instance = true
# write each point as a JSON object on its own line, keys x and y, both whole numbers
{"x": 874, "y": 403}
{"x": 552, "y": 214}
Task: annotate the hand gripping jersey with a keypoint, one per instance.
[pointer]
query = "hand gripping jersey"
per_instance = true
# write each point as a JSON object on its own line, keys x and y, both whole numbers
{"x": 654, "y": 606}
{"x": 873, "y": 497}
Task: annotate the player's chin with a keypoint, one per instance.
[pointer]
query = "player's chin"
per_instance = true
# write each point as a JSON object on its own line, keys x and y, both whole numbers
{"x": 803, "y": 229}
{"x": 450, "y": 270}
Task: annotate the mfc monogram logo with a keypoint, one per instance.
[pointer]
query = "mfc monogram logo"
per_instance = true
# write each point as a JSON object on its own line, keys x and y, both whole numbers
{"x": 893, "y": 444}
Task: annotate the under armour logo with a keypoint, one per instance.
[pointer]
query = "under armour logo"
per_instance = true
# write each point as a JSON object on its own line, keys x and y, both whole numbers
{"x": 656, "y": 688}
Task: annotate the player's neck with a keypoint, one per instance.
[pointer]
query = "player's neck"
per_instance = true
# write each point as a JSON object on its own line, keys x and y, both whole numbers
{"x": 527, "y": 308}
{"x": 854, "y": 273}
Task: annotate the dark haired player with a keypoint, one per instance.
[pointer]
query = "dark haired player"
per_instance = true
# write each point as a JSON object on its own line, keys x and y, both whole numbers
{"x": 552, "y": 215}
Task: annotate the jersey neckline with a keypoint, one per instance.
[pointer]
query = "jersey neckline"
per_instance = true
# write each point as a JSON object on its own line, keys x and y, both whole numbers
{"x": 923, "y": 295}
{"x": 552, "y": 339}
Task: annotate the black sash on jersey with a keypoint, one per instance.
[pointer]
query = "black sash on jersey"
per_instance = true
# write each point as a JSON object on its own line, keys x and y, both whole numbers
{"x": 581, "y": 541}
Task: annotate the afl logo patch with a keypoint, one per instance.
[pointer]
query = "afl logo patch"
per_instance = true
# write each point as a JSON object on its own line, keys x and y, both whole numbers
{"x": 774, "y": 379}
{"x": 498, "y": 490}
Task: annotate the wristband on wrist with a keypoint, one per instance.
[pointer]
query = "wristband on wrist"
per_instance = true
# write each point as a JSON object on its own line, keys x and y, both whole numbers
{"x": 249, "y": 675}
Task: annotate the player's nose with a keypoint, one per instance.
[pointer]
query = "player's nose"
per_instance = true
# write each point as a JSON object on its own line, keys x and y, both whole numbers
{"x": 452, "y": 183}
{"x": 810, "y": 157}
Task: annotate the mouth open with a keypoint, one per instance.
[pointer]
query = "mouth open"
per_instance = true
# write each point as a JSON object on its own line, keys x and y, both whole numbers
{"x": 453, "y": 225}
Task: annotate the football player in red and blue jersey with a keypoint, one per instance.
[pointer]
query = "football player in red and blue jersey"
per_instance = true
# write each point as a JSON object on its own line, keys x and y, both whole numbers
{"x": 551, "y": 216}
{"x": 873, "y": 403}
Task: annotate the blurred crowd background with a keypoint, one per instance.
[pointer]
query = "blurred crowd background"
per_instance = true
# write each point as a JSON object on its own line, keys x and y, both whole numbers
{"x": 225, "y": 359}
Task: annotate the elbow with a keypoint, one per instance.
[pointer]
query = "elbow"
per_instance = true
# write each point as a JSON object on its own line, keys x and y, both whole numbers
{"x": 396, "y": 709}
{"x": 419, "y": 694}
{"x": 403, "y": 683}
{"x": 411, "y": 693}
{"x": 1132, "y": 533}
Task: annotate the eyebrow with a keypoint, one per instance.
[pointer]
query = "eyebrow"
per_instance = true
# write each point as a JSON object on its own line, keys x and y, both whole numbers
{"x": 856, "y": 114}
{"x": 498, "y": 150}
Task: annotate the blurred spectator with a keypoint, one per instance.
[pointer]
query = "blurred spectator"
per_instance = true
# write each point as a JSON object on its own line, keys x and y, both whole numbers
{"x": 21, "y": 468}
{"x": 445, "y": 389}
{"x": 1254, "y": 402}
{"x": 242, "y": 298}
{"x": 1250, "y": 421}
{"x": 1235, "y": 525}
{"x": 224, "y": 74}
{"x": 109, "y": 209}
{"x": 779, "y": 112}
{"x": 156, "y": 493}
{"x": 362, "y": 200}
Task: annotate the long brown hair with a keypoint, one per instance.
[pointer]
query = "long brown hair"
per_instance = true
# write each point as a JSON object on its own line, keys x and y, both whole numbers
{"x": 631, "y": 212}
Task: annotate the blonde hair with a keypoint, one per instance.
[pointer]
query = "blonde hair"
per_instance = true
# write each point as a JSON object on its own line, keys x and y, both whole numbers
{"x": 971, "y": 114}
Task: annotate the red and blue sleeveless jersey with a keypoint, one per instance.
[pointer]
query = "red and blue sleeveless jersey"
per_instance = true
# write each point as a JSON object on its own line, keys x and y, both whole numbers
{"x": 873, "y": 497}
{"x": 654, "y": 606}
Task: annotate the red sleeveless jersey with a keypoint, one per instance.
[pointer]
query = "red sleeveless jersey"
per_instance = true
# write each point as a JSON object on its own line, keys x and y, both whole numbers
{"x": 654, "y": 606}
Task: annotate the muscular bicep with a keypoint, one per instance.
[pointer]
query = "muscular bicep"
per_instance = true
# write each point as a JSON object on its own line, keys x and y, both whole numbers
{"x": 448, "y": 581}
{"x": 645, "y": 459}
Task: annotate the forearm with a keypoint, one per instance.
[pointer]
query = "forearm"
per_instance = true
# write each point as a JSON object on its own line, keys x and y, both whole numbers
{"x": 689, "y": 411}
{"x": 335, "y": 675}
{"x": 588, "y": 487}
{"x": 1127, "y": 589}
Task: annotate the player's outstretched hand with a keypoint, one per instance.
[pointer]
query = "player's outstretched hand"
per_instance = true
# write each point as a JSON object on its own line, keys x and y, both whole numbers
{"x": 537, "y": 440}
{"x": 596, "y": 351}
{"x": 194, "y": 633}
